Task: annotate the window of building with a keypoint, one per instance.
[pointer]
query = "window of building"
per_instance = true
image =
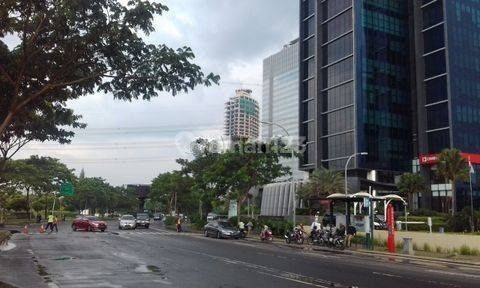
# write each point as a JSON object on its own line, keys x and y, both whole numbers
{"x": 432, "y": 14}
{"x": 436, "y": 90}
{"x": 435, "y": 64}
{"x": 437, "y": 116}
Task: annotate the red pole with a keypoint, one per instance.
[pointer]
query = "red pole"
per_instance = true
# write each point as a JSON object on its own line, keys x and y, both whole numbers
{"x": 391, "y": 228}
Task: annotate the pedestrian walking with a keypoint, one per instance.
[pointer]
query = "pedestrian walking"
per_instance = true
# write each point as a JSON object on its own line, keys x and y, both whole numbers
{"x": 49, "y": 223}
{"x": 55, "y": 224}
{"x": 241, "y": 227}
{"x": 351, "y": 232}
{"x": 179, "y": 224}
{"x": 249, "y": 227}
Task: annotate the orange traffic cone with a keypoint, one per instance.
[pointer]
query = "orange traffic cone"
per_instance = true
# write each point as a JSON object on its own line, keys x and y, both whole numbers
{"x": 41, "y": 229}
{"x": 25, "y": 229}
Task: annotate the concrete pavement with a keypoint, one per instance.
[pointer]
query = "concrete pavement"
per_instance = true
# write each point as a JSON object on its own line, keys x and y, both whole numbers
{"x": 161, "y": 258}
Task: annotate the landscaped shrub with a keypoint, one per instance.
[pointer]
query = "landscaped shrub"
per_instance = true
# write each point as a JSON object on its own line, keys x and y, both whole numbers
{"x": 460, "y": 222}
{"x": 278, "y": 225}
{"x": 170, "y": 220}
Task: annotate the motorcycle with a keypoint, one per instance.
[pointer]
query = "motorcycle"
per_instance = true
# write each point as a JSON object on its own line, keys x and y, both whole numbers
{"x": 314, "y": 238}
{"x": 294, "y": 236}
{"x": 332, "y": 239}
{"x": 266, "y": 235}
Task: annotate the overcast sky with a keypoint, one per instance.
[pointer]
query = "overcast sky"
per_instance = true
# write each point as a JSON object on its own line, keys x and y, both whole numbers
{"x": 131, "y": 143}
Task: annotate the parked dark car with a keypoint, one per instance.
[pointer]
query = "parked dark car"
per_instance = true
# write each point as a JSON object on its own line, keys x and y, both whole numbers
{"x": 88, "y": 223}
{"x": 143, "y": 220}
{"x": 220, "y": 229}
{"x": 380, "y": 223}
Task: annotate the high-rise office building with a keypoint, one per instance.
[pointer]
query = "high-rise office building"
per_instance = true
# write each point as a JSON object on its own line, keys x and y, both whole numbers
{"x": 241, "y": 116}
{"x": 280, "y": 101}
{"x": 354, "y": 93}
{"x": 397, "y": 79}
{"x": 447, "y": 59}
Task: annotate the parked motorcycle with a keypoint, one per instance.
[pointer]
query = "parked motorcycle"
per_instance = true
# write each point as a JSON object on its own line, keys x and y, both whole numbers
{"x": 295, "y": 236}
{"x": 332, "y": 239}
{"x": 314, "y": 238}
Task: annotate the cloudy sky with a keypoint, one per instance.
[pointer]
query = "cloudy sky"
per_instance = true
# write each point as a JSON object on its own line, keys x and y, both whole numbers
{"x": 131, "y": 143}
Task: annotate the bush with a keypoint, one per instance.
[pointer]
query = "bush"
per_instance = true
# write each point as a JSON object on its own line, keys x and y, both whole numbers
{"x": 427, "y": 248}
{"x": 465, "y": 250}
{"x": 197, "y": 222}
{"x": 427, "y": 213}
{"x": 170, "y": 220}
{"x": 460, "y": 222}
{"x": 278, "y": 225}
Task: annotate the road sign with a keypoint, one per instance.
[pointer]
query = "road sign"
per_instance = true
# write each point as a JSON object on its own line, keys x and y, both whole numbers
{"x": 66, "y": 189}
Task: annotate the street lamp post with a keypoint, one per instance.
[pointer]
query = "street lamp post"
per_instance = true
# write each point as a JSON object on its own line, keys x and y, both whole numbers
{"x": 291, "y": 179}
{"x": 347, "y": 221}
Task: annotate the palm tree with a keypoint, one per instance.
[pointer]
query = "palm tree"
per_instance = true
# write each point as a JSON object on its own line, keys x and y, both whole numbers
{"x": 322, "y": 183}
{"x": 409, "y": 184}
{"x": 452, "y": 167}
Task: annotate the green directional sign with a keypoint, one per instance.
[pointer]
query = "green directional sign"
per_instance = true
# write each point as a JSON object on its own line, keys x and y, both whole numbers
{"x": 66, "y": 189}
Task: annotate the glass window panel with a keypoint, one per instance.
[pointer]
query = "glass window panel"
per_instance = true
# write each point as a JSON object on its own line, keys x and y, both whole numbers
{"x": 338, "y": 49}
{"x": 337, "y": 26}
{"x": 435, "y": 64}
{"x": 437, "y": 116}
{"x": 438, "y": 140}
{"x": 432, "y": 14}
{"x": 434, "y": 39}
{"x": 436, "y": 90}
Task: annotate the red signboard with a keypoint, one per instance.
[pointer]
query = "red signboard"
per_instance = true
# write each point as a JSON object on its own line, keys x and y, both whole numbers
{"x": 391, "y": 228}
{"x": 432, "y": 159}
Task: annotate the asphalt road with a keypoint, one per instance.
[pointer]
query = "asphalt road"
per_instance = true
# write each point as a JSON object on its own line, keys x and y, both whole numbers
{"x": 161, "y": 258}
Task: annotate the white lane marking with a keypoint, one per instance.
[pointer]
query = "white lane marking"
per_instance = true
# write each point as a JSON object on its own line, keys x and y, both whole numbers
{"x": 294, "y": 280}
{"x": 386, "y": 274}
{"x": 162, "y": 281}
{"x": 453, "y": 273}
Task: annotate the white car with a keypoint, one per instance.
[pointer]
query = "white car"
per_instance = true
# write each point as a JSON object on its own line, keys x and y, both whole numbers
{"x": 127, "y": 222}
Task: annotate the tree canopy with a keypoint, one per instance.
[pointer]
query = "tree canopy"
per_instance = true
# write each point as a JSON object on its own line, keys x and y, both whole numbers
{"x": 322, "y": 183}
{"x": 63, "y": 50}
{"x": 411, "y": 183}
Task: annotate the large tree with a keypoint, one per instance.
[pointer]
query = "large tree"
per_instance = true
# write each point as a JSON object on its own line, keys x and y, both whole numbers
{"x": 51, "y": 173}
{"x": 174, "y": 191}
{"x": 322, "y": 183}
{"x": 410, "y": 184}
{"x": 453, "y": 168}
{"x": 205, "y": 154}
{"x": 63, "y": 50}
{"x": 248, "y": 165}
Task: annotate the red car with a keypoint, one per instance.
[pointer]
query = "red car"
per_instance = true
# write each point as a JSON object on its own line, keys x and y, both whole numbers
{"x": 88, "y": 223}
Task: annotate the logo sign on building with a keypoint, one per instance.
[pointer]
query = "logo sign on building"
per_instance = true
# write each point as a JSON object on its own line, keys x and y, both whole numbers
{"x": 432, "y": 159}
{"x": 428, "y": 159}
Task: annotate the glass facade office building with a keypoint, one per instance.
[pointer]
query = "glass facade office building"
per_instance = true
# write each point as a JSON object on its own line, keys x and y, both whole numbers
{"x": 398, "y": 79}
{"x": 447, "y": 38}
{"x": 355, "y": 94}
{"x": 280, "y": 101}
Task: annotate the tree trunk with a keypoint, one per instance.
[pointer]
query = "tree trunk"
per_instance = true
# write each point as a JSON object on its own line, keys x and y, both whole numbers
{"x": 46, "y": 205}
{"x": 454, "y": 200}
{"x": 239, "y": 206}
{"x": 28, "y": 204}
